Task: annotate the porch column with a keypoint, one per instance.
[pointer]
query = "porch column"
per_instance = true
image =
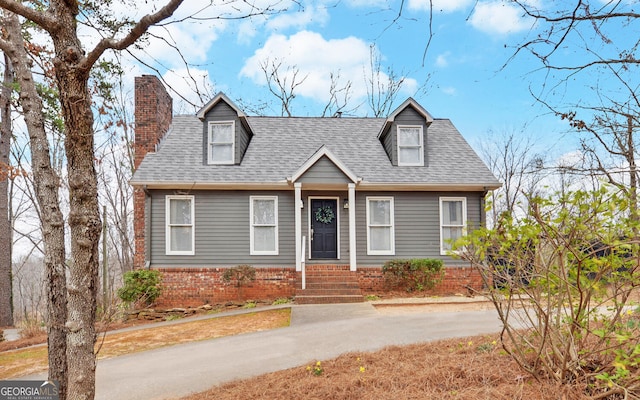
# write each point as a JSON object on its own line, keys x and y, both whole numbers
{"x": 298, "y": 223}
{"x": 352, "y": 226}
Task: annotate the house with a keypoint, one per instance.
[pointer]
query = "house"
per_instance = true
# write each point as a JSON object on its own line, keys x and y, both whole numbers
{"x": 287, "y": 195}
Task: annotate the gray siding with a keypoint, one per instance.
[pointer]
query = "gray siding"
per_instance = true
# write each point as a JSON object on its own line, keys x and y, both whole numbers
{"x": 417, "y": 224}
{"x": 223, "y": 112}
{"x": 222, "y": 230}
{"x": 388, "y": 144}
{"x": 222, "y": 227}
{"x": 324, "y": 171}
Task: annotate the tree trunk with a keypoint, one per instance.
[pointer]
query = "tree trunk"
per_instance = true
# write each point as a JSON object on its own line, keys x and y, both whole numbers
{"x": 84, "y": 216}
{"x": 47, "y": 184}
{"x": 72, "y": 66}
{"x": 6, "y": 286}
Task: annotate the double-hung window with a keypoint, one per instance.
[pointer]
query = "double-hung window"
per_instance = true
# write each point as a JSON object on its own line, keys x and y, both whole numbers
{"x": 453, "y": 214}
{"x": 180, "y": 227}
{"x": 221, "y": 142}
{"x": 264, "y": 225}
{"x": 410, "y": 146}
{"x": 380, "y": 229}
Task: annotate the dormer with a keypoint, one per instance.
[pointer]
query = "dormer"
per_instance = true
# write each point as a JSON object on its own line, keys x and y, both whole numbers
{"x": 404, "y": 135}
{"x": 226, "y": 133}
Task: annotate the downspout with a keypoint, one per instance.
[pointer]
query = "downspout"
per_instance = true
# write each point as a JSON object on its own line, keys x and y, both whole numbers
{"x": 483, "y": 211}
{"x": 147, "y": 227}
{"x": 352, "y": 227}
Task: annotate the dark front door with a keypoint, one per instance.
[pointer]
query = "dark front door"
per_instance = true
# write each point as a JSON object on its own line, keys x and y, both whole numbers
{"x": 324, "y": 228}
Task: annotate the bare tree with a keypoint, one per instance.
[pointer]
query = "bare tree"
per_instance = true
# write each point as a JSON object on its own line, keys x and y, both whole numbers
{"x": 115, "y": 169}
{"x": 611, "y": 147}
{"x": 382, "y": 87}
{"x": 29, "y": 288}
{"x": 6, "y": 303}
{"x": 582, "y": 25}
{"x": 282, "y": 83}
{"x": 46, "y": 184}
{"x": 609, "y": 62}
{"x": 512, "y": 159}
{"x": 339, "y": 97}
{"x": 72, "y": 64}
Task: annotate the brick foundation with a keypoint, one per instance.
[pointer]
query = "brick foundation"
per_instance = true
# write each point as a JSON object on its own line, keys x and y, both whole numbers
{"x": 457, "y": 280}
{"x": 192, "y": 287}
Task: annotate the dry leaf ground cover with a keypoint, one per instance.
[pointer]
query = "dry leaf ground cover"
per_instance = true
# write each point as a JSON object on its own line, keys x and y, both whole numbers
{"x": 14, "y": 363}
{"x": 464, "y": 369}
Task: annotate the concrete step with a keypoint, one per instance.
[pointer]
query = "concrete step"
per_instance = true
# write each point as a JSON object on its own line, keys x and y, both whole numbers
{"x": 329, "y": 292}
{"x": 306, "y": 299}
{"x": 332, "y": 285}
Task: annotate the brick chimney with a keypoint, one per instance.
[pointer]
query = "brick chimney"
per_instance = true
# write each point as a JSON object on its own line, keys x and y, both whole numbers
{"x": 153, "y": 113}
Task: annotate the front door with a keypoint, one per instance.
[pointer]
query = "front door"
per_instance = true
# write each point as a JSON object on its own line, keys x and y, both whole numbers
{"x": 324, "y": 228}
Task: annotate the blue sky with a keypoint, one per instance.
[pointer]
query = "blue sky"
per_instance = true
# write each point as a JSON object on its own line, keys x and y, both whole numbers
{"x": 460, "y": 77}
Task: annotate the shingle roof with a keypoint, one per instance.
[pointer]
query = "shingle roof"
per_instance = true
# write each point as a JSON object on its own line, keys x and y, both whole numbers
{"x": 280, "y": 146}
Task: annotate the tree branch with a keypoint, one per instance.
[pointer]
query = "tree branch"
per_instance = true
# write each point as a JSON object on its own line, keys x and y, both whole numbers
{"x": 134, "y": 34}
{"x": 43, "y": 18}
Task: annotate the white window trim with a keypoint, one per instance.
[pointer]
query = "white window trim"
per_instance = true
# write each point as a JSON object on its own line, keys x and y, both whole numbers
{"x": 405, "y": 164}
{"x": 210, "y": 144}
{"x": 252, "y": 250}
{"x": 168, "y": 225}
{"x": 392, "y": 225}
{"x": 444, "y": 251}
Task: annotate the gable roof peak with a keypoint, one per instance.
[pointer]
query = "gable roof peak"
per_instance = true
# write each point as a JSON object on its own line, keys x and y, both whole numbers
{"x": 410, "y": 102}
{"x": 216, "y": 99}
{"x": 324, "y": 151}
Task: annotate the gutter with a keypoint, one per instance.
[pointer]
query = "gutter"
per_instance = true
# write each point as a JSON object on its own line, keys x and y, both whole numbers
{"x": 286, "y": 185}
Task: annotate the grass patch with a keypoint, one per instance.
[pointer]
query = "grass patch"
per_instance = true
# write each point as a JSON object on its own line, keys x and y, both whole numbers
{"x": 21, "y": 362}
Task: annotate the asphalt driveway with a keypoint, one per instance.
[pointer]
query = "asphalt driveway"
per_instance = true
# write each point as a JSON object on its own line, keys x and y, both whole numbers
{"x": 317, "y": 332}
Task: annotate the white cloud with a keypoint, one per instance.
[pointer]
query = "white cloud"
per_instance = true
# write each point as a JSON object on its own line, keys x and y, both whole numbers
{"x": 442, "y": 60}
{"x": 310, "y": 14}
{"x": 445, "y": 6}
{"x": 367, "y": 3}
{"x": 315, "y": 58}
{"x": 193, "y": 41}
{"x": 449, "y": 90}
{"x": 193, "y": 88}
{"x": 498, "y": 17}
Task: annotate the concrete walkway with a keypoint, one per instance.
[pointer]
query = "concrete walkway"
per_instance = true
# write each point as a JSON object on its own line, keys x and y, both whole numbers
{"x": 317, "y": 332}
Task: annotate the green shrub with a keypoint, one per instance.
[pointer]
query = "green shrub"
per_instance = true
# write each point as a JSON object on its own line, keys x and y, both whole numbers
{"x": 141, "y": 286}
{"x": 416, "y": 274}
{"x": 250, "y": 304}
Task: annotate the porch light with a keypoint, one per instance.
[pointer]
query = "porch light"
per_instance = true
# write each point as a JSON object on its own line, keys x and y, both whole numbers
{"x": 301, "y": 204}
{"x": 345, "y": 203}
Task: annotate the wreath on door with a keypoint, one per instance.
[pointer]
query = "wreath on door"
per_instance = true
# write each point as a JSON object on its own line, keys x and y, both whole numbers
{"x": 325, "y": 215}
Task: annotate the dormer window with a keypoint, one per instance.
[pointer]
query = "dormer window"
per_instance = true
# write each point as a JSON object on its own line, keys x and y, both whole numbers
{"x": 221, "y": 142}
{"x": 410, "y": 145}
